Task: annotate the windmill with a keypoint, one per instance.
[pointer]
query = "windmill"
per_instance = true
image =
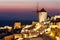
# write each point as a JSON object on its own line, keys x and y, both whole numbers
{"x": 41, "y": 14}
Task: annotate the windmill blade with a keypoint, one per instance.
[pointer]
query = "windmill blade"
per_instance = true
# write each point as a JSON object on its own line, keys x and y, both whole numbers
{"x": 37, "y": 8}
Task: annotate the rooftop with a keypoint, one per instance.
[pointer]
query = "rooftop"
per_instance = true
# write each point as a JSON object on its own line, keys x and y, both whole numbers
{"x": 42, "y": 10}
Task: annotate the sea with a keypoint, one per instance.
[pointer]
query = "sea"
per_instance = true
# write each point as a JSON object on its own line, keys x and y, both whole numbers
{"x": 11, "y": 22}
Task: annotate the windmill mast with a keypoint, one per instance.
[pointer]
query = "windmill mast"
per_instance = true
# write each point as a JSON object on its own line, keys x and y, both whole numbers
{"x": 37, "y": 10}
{"x": 37, "y": 7}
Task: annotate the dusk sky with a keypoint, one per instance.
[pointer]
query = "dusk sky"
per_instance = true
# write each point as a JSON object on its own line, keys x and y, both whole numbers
{"x": 23, "y": 9}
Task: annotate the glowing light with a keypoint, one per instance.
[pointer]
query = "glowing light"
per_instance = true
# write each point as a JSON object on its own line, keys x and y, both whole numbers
{"x": 57, "y": 38}
{"x": 57, "y": 16}
{"x": 17, "y": 25}
{"x": 27, "y": 26}
{"x": 47, "y": 30}
{"x": 52, "y": 34}
{"x": 53, "y": 26}
{"x": 25, "y": 35}
{"x": 18, "y": 36}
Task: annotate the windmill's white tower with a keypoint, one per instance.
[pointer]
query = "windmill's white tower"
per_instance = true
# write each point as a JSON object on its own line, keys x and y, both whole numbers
{"x": 42, "y": 15}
